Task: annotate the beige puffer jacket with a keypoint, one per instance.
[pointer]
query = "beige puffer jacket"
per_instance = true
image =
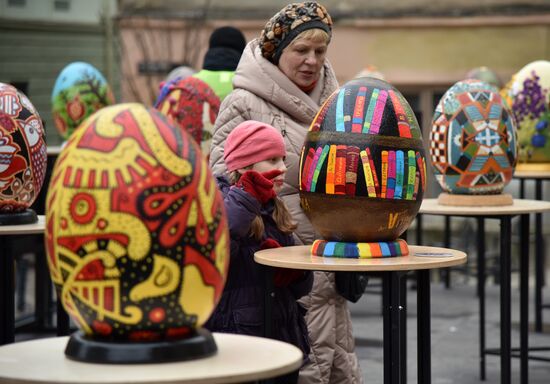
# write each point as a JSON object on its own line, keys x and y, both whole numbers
{"x": 263, "y": 93}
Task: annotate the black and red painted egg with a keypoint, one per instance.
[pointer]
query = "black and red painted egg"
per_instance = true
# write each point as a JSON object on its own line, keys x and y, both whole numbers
{"x": 363, "y": 168}
{"x": 136, "y": 233}
{"x": 22, "y": 151}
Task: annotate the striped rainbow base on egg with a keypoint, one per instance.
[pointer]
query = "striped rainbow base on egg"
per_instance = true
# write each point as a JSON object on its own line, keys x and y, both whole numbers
{"x": 379, "y": 249}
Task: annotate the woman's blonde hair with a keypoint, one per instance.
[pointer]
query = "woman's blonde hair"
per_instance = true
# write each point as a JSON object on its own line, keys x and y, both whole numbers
{"x": 315, "y": 34}
{"x": 281, "y": 215}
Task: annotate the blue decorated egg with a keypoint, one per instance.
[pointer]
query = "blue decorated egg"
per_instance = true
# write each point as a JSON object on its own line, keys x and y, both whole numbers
{"x": 79, "y": 91}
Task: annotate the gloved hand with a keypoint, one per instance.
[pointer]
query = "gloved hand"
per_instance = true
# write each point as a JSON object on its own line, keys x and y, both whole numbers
{"x": 282, "y": 277}
{"x": 258, "y": 184}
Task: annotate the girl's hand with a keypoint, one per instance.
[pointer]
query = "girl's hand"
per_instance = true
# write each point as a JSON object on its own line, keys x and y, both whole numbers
{"x": 258, "y": 184}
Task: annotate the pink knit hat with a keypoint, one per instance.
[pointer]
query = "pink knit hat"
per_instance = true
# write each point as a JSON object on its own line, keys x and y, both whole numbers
{"x": 251, "y": 142}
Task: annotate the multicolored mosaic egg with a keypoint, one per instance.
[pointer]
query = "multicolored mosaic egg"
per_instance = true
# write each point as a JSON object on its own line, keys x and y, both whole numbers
{"x": 193, "y": 106}
{"x": 473, "y": 145}
{"x": 528, "y": 94}
{"x": 136, "y": 233}
{"x": 22, "y": 151}
{"x": 79, "y": 91}
{"x": 363, "y": 169}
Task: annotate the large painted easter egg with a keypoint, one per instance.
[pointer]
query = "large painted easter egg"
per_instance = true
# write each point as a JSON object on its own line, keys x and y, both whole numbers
{"x": 22, "y": 151}
{"x": 136, "y": 234}
{"x": 193, "y": 106}
{"x": 528, "y": 94}
{"x": 473, "y": 145}
{"x": 363, "y": 171}
{"x": 79, "y": 91}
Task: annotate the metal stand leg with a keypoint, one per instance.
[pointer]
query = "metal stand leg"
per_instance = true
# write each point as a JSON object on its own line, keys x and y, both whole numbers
{"x": 481, "y": 292}
{"x": 447, "y": 244}
{"x": 394, "y": 316}
{"x": 524, "y": 300}
{"x": 419, "y": 229}
{"x": 424, "y": 327}
{"x": 505, "y": 292}
{"x": 7, "y": 294}
{"x": 539, "y": 260}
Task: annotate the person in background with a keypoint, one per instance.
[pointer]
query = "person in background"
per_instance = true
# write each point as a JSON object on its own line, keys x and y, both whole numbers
{"x": 282, "y": 80}
{"x": 258, "y": 219}
{"x": 225, "y": 48}
{"x": 180, "y": 72}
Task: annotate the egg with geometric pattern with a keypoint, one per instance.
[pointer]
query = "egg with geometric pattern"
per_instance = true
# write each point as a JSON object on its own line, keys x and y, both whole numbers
{"x": 137, "y": 238}
{"x": 473, "y": 144}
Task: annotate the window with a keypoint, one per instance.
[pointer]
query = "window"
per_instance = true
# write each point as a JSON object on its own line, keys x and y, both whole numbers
{"x": 17, "y": 3}
{"x": 62, "y": 5}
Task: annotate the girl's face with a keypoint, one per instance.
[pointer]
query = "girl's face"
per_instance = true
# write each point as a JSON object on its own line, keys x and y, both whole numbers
{"x": 268, "y": 165}
{"x": 302, "y": 61}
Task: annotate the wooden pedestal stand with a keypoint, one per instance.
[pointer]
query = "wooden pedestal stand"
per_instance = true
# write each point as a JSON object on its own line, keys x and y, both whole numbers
{"x": 475, "y": 200}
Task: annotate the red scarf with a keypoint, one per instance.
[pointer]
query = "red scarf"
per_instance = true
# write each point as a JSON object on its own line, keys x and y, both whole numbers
{"x": 309, "y": 88}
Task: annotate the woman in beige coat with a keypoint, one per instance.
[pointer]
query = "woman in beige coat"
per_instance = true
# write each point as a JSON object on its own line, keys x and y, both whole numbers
{"x": 282, "y": 79}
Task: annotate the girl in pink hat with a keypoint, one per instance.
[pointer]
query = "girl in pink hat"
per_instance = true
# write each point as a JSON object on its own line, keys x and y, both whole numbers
{"x": 254, "y": 155}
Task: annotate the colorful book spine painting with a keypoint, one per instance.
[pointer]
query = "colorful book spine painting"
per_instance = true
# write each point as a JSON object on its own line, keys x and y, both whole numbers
{"x": 402, "y": 120}
{"x": 384, "y": 169}
{"x": 378, "y": 112}
{"x": 340, "y": 126}
{"x": 359, "y": 111}
{"x": 318, "y": 166}
{"x": 391, "y": 175}
{"x": 331, "y": 170}
{"x": 422, "y": 169}
{"x": 340, "y": 171}
{"x": 370, "y": 110}
{"x": 305, "y": 169}
{"x": 401, "y": 174}
{"x": 320, "y": 117}
{"x": 411, "y": 162}
{"x": 352, "y": 161}
{"x": 369, "y": 180}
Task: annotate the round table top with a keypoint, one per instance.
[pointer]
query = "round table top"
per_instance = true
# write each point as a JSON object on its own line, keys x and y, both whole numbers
{"x": 24, "y": 229}
{"x": 239, "y": 359}
{"x": 520, "y": 206}
{"x": 420, "y": 257}
{"x": 518, "y": 174}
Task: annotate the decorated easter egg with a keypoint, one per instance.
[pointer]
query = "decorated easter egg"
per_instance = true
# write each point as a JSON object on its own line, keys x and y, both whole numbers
{"x": 193, "y": 106}
{"x": 528, "y": 94}
{"x": 136, "y": 234}
{"x": 473, "y": 145}
{"x": 79, "y": 91}
{"x": 363, "y": 170}
{"x": 22, "y": 151}
{"x": 484, "y": 74}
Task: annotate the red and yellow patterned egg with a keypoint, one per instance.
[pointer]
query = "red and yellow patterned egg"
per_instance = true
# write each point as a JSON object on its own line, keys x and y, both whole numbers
{"x": 22, "y": 151}
{"x": 136, "y": 234}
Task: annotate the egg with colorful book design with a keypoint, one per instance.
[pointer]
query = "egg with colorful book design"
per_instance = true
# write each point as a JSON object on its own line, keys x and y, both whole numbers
{"x": 136, "y": 233}
{"x": 362, "y": 167}
{"x": 473, "y": 144}
{"x": 22, "y": 152}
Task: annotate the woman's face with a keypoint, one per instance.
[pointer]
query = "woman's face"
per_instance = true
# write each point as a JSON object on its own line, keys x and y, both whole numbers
{"x": 302, "y": 61}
